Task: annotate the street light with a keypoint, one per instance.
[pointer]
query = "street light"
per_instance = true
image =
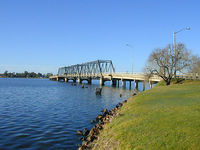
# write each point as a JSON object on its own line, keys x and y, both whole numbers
{"x": 174, "y": 35}
{"x": 133, "y": 50}
{"x": 174, "y": 42}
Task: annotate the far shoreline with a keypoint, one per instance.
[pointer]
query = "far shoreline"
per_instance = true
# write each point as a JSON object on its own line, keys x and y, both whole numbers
{"x": 22, "y": 78}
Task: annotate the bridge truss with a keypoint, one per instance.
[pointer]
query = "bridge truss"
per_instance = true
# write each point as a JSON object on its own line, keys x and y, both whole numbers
{"x": 92, "y": 69}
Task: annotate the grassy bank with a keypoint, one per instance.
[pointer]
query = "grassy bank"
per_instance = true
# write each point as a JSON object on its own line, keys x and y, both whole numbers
{"x": 165, "y": 117}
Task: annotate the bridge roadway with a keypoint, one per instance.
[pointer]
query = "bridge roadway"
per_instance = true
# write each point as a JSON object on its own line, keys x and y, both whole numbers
{"x": 115, "y": 78}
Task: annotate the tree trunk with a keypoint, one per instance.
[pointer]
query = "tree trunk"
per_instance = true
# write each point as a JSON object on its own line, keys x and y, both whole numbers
{"x": 168, "y": 81}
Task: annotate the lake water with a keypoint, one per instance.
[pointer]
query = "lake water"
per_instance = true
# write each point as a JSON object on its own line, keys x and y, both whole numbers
{"x": 43, "y": 114}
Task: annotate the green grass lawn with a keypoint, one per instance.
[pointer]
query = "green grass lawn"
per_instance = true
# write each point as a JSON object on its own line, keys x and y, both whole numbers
{"x": 165, "y": 117}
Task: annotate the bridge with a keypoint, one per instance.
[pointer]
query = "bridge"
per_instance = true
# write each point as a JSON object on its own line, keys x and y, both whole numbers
{"x": 103, "y": 70}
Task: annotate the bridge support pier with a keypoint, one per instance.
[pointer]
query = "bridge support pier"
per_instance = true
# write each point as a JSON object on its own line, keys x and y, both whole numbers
{"x": 90, "y": 81}
{"x": 150, "y": 84}
{"x": 101, "y": 81}
{"x": 113, "y": 82}
{"x": 117, "y": 83}
{"x": 129, "y": 84}
{"x": 65, "y": 79}
{"x": 144, "y": 84}
{"x": 136, "y": 84}
{"x": 123, "y": 83}
{"x": 79, "y": 80}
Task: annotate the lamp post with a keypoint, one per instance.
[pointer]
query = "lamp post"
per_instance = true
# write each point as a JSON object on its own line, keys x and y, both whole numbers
{"x": 132, "y": 60}
{"x": 174, "y": 43}
{"x": 174, "y": 35}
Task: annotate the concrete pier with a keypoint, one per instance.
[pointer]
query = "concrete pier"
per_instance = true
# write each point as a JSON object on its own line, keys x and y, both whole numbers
{"x": 89, "y": 80}
{"x": 136, "y": 84}
{"x": 123, "y": 83}
{"x": 79, "y": 80}
{"x": 118, "y": 83}
{"x": 65, "y": 79}
{"x": 101, "y": 81}
{"x": 113, "y": 82}
{"x": 129, "y": 84}
{"x": 144, "y": 84}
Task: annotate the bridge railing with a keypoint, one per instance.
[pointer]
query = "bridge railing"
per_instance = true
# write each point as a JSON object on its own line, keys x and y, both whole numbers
{"x": 189, "y": 76}
{"x": 81, "y": 75}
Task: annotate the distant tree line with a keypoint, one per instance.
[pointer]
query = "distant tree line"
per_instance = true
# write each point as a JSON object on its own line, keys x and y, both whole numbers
{"x": 25, "y": 74}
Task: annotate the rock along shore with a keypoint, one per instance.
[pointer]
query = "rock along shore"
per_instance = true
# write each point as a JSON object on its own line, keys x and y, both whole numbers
{"x": 88, "y": 136}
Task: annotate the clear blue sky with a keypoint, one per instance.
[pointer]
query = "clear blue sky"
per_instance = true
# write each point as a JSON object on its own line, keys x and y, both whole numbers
{"x": 42, "y": 35}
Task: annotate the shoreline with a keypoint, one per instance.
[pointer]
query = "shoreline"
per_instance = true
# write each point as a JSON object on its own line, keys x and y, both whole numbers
{"x": 21, "y": 78}
{"x": 88, "y": 137}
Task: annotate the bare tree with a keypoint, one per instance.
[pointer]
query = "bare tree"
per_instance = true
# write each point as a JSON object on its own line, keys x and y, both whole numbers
{"x": 166, "y": 63}
{"x": 195, "y": 66}
{"x": 183, "y": 59}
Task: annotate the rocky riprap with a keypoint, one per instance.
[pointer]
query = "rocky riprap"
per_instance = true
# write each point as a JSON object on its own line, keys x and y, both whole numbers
{"x": 88, "y": 136}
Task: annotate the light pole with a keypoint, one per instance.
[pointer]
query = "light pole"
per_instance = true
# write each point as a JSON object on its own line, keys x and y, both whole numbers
{"x": 132, "y": 60}
{"x": 174, "y": 43}
{"x": 174, "y": 35}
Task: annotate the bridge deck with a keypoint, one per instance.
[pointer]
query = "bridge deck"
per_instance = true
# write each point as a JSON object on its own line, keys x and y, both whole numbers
{"x": 106, "y": 77}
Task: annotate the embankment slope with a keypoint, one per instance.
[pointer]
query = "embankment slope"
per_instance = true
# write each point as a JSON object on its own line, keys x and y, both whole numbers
{"x": 165, "y": 117}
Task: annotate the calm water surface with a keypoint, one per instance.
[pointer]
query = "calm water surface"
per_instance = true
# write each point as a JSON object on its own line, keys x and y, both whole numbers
{"x": 43, "y": 114}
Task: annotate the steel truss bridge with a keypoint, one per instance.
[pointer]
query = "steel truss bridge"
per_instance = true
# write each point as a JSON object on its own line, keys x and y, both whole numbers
{"x": 89, "y": 69}
{"x": 102, "y": 70}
